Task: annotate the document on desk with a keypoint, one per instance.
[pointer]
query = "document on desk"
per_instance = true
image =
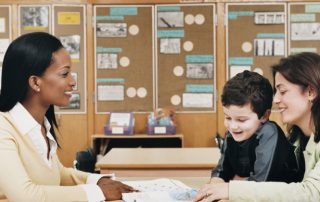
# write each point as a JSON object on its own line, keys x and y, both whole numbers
{"x": 159, "y": 190}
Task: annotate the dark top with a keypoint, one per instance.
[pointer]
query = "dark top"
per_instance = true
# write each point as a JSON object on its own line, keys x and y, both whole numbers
{"x": 266, "y": 156}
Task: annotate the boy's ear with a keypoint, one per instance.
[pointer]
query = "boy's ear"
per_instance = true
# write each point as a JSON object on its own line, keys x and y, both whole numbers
{"x": 266, "y": 116}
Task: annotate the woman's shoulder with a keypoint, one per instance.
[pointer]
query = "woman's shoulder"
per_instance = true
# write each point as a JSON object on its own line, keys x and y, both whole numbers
{"x": 6, "y": 124}
{"x": 5, "y": 118}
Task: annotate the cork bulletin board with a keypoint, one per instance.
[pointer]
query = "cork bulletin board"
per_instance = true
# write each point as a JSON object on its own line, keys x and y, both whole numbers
{"x": 124, "y": 61}
{"x": 185, "y": 57}
{"x": 5, "y": 32}
{"x": 261, "y": 41}
{"x": 304, "y": 27}
{"x": 69, "y": 25}
{"x": 34, "y": 18}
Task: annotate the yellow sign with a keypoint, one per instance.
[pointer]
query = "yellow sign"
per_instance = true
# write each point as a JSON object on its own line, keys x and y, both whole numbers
{"x": 35, "y": 28}
{"x": 69, "y": 18}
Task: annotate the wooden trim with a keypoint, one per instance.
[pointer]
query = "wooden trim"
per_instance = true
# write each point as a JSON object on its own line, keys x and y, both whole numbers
{"x": 221, "y": 64}
{"x": 90, "y": 74}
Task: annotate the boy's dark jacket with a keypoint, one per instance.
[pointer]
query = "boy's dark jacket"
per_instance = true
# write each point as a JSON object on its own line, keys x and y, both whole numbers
{"x": 276, "y": 160}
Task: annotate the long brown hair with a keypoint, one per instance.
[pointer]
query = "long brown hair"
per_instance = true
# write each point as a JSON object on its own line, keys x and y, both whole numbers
{"x": 303, "y": 69}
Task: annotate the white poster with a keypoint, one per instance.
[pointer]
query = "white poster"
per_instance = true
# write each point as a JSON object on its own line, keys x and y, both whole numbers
{"x": 170, "y": 19}
{"x": 120, "y": 119}
{"x": 107, "y": 61}
{"x": 269, "y": 47}
{"x": 236, "y": 69}
{"x": 37, "y": 16}
{"x": 170, "y": 46}
{"x": 305, "y": 31}
{"x": 2, "y": 25}
{"x": 111, "y": 29}
{"x": 72, "y": 45}
{"x": 269, "y": 17}
{"x": 4, "y": 43}
{"x": 110, "y": 93}
{"x": 197, "y": 100}
{"x": 199, "y": 70}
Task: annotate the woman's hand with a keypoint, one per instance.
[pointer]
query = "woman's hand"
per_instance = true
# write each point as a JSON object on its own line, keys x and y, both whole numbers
{"x": 216, "y": 180}
{"x": 212, "y": 192}
{"x": 112, "y": 189}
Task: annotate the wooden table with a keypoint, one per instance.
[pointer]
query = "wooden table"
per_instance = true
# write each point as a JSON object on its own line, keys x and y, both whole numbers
{"x": 160, "y": 162}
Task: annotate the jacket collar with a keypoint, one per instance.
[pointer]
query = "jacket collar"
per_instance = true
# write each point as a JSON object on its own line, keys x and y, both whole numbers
{"x": 24, "y": 120}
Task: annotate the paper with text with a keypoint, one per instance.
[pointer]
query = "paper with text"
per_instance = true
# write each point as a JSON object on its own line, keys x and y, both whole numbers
{"x": 159, "y": 190}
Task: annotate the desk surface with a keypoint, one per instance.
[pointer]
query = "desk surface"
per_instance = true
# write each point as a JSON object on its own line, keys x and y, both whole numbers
{"x": 194, "y": 182}
{"x": 151, "y": 158}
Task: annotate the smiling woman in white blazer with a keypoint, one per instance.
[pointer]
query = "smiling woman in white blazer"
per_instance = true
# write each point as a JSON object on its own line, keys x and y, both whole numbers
{"x": 36, "y": 75}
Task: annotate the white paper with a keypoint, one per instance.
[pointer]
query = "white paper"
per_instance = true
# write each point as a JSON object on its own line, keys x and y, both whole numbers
{"x": 111, "y": 29}
{"x": 107, "y": 61}
{"x": 110, "y": 93}
{"x": 2, "y": 25}
{"x": 235, "y": 69}
{"x": 117, "y": 130}
{"x": 269, "y": 47}
{"x": 170, "y": 46}
{"x": 161, "y": 184}
{"x": 279, "y": 47}
{"x": 35, "y": 16}
{"x": 197, "y": 100}
{"x": 75, "y": 78}
{"x": 160, "y": 130}
{"x": 120, "y": 119}
{"x": 170, "y": 19}
{"x": 305, "y": 31}
{"x": 269, "y": 17}
{"x": 72, "y": 45}
{"x": 4, "y": 43}
{"x": 159, "y": 190}
{"x": 199, "y": 70}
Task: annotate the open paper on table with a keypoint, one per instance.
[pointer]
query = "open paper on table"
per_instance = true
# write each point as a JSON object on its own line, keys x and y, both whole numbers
{"x": 159, "y": 190}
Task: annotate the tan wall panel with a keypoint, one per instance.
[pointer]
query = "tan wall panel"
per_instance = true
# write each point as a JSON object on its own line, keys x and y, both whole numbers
{"x": 72, "y": 137}
{"x": 138, "y": 49}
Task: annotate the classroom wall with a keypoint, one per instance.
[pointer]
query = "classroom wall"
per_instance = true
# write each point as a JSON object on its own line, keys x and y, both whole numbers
{"x": 199, "y": 129}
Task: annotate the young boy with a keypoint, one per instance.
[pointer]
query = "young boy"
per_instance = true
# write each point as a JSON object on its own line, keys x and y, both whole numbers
{"x": 254, "y": 147}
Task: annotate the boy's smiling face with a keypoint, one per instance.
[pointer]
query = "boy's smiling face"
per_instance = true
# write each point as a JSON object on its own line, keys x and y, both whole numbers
{"x": 241, "y": 121}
